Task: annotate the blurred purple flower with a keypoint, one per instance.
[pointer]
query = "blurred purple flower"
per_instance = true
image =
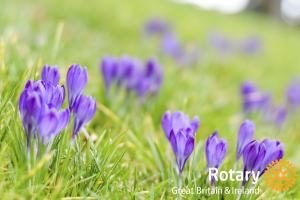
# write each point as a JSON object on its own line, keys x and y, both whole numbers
{"x": 221, "y": 43}
{"x": 276, "y": 115}
{"x": 109, "y": 67}
{"x": 293, "y": 93}
{"x": 132, "y": 75}
{"x": 151, "y": 79}
{"x": 84, "y": 109}
{"x": 170, "y": 45}
{"x": 180, "y": 132}
{"x": 215, "y": 150}
{"x": 253, "y": 156}
{"x": 253, "y": 99}
{"x": 245, "y": 135}
{"x": 50, "y": 75}
{"x": 76, "y": 80}
{"x": 251, "y": 45}
{"x": 274, "y": 151}
{"x": 156, "y": 26}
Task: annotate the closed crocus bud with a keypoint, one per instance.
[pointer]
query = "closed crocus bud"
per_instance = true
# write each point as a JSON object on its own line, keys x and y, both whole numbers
{"x": 170, "y": 45}
{"x": 109, "y": 70}
{"x": 31, "y": 107}
{"x": 76, "y": 80}
{"x": 156, "y": 26}
{"x": 50, "y": 75}
{"x": 245, "y": 135}
{"x": 293, "y": 93}
{"x": 151, "y": 80}
{"x": 84, "y": 110}
{"x": 274, "y": 151}
{"x": 180, "y": 132}
{"x": 55, "y": 96}
{"x": 221, "y": 43}
{"x": 253, "y": 157}
{"x": 215, "y": 150}
{"x": 253, "y": 99}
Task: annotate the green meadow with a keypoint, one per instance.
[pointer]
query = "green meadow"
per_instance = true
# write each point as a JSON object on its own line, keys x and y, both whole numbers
{"x": 131, "y": 157}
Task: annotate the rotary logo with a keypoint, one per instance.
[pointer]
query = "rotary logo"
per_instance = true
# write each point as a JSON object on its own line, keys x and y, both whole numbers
{"x": 280, "y": 175}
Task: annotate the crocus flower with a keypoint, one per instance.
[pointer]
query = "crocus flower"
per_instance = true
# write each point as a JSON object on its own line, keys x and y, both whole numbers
{"x": 276, "y": 115}
{"x": 253, "y": 156}
{"x": 251, "y": 45}
{"x": 293, "y": 93}
{"x": 151, "y": 80}
{"x": 221, "y": 43}
{"x": 170, "y": 45}
{"x": 215, "y": 150}
{"x": 274, "y": 151}
{"x": 84, "y": 109}
{"x": 253, "y": 99}
{"x": 245, "y": 135}
{"x": 132, "y": 74}
{"x": 76, "y": 81}
{"x": 180, "y": 132}
{"x": 39, "y": 118}
{"x": 50, "y": 75}
{"x": 156, "y": 26}
{"x": 109, "y": 67}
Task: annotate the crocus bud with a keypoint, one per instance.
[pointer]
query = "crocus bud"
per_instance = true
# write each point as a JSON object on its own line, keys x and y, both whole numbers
{"x": 76, "y": 81}
{"x": 215, "y": 150}
{"x": 50, "y": 75}
{"x": 151, "y": 79}
{"x": 274, "y": 151}
{"x": 181, "y": 135}
{"x": 245, "y": 135}
{"x": 170, "y": 45}
{"x": 84, "y": 110}
{"x": 156, "y": 26}
{"x": 251, "y": 45}
{"x": 109, "y": 67}
{"x": 253, "y": 99}
{"x": 253, "y": 156}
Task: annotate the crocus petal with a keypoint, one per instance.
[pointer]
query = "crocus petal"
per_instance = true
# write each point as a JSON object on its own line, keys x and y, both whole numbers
{"x": 50, "y": 75}
{"x": 47, "y": 126}
{"x": 76, "y": 81}
{"x": 245, "y": 135}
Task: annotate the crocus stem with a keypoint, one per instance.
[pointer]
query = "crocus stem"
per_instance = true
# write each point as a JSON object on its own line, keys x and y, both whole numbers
{"x": 85, "y": 133}
{"x": 240, "y": 193}
{"x": 235, "y": 165}
{"x": 179, "y": 185}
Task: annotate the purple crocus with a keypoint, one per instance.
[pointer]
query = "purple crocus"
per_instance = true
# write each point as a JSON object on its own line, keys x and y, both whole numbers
{"x": 180, "y": 132}
{"x": 274, "y": 151}
{"x": 251, "y": 45}
{"x": 156, "y": 26}
{"x": 50, "y": 75}
{"x": 253, "y": 156}
{"x": 215, "y": 150}
{"x": 132, "y": 74}
{"x": 253, "y": 99}
{"x": 221, "y": 43}
{"x": 84, "y": 109}
{"x": 293, "y": 93}
{"x": 171, "y": 46}
{"x": 245, "y": 135}
{"x": 38, "y": 105}
{"x": 76, "y": 80}
{"x": 151, "y": 79}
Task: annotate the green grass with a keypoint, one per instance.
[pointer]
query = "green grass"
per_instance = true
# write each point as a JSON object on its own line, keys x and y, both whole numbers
{"x": 131, "y": 157}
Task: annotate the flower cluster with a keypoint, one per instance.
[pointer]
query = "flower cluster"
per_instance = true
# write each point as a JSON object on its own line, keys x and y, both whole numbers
{"x": 256, "y": 101}
{"x": 41, "y": 101}
{"x": 180, "y": 132}
{"x": 256, "y": 155}
{"x": 132, "y": 75}
{"x": 225, "y": 46}
{"x": 170, "y": 44}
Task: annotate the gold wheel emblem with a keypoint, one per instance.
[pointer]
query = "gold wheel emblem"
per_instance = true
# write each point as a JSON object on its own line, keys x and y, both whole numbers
{"x": 280, "y": 175}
